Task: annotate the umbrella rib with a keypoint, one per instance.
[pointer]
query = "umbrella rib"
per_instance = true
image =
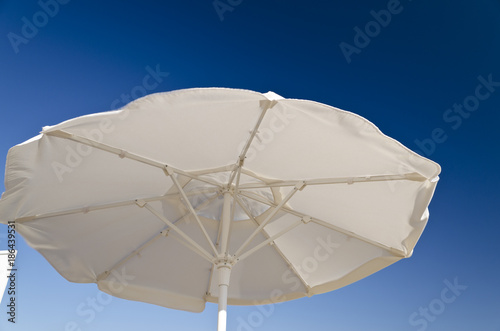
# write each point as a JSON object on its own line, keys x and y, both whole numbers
{"x": 84, "y": 210}
{"x": 266, "y": 105}
{"x": 192, "y": 248}
{"x": 269, "y": 240}
{"x": 180, "y": 219}
{"x": 340, "y": 180}
{"x": 233, "y": 205}
{"x": 199, "y": 207}
{"x": 392, "y": 250}
{"x": 198, "y": 249}
{"x": 87, "y": 209}
{"x": 137, "y": 251}
{"x": 199, "y": 191}
{"x": 299, "y": 186}
{"x": 210, "y": 277}
{"x": 163, "y": 233}
{"x": 255, "y": 130}
{"x": 124, "y": 154}
{"x": 278, "y": 250}
{"x": 191, "y": 209}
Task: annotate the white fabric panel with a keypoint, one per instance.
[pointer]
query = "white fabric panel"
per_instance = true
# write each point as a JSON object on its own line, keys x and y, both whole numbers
{"x": 81, "y": 246}
{"x": 303, "y": 139}
{"x": 257, "y": 277}
{"x": 190, "y": 130}
{"x": 177, "y": 275}
{"x": 89, "y": 178}
{"x": 373, "y": 210}
{"x": 323, "y": 255}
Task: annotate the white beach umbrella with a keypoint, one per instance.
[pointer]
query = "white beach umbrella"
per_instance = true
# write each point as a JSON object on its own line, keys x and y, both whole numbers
{"x": 217, "y": 195}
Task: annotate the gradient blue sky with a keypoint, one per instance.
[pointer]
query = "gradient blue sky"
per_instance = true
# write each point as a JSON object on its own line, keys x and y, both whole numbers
{"x": 427, "y": 59}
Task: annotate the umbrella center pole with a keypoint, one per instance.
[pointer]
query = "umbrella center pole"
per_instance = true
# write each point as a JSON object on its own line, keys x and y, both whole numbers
{"x": 224, "y": 270}
{"x": 224, "y": 264}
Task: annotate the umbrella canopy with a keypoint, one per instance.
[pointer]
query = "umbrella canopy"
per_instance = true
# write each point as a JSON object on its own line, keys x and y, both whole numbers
{"x": 199, "y": 195}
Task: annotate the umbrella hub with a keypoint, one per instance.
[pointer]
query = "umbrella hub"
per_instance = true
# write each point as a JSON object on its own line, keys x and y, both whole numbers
{"x": 208, "y": 200}
{"x": 226, "y": 260}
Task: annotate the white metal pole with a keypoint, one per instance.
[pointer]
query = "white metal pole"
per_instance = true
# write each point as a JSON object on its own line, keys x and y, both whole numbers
{"x": 226, "y": 222}
{"x": 223, "y": 267}
{"x": 224, "y": 274}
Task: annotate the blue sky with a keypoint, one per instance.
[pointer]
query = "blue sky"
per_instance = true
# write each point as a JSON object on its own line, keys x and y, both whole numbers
{"x": 407, "y": 79}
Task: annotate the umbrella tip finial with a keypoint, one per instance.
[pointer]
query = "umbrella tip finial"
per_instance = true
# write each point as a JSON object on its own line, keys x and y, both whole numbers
{"x": 273, "y": 96}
